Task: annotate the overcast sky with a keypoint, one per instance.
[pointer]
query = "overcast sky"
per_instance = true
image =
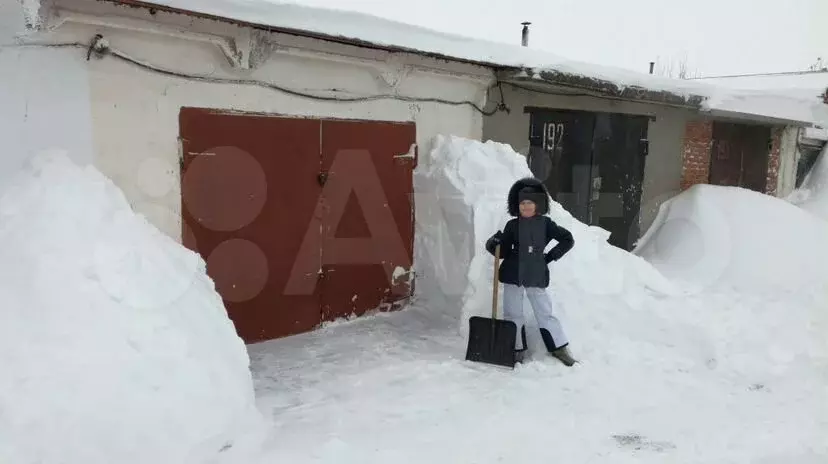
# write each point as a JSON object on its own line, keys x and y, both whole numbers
{"x": 716, "y": 36}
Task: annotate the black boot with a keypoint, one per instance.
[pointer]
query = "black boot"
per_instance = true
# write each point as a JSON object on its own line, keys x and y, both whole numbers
{"x": 564, "y": 356}
{"x": 520, "y": 355}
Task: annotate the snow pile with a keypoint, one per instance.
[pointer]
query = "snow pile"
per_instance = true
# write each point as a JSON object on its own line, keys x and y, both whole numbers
{"x": 461, "y": 201}
{"x": 756, "y": 271}
{"x": 115, "y": 346}
{"x": 706, "y": 245}
{"x": 666, "y": 376}
{"x": 812, "y": 195}
{"x": 713, "y": 236}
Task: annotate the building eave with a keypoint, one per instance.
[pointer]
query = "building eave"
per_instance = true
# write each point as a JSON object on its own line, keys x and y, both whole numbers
{"x": 555, "y": 78}
{"x": 581, "y": 82}
{"x": 299, "y": 32}
{"x": 554, "y": 81}
{"x": 756, "y": 118}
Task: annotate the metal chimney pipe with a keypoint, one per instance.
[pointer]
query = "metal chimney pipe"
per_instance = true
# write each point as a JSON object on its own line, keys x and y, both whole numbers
{"x": 525, "y": 34}
{"x": 652, "y": 66}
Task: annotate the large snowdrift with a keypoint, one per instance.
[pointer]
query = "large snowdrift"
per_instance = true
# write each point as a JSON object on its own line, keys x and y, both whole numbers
{"x": 712, "y": 236}
{"x": 461, "y": 201}
{"x": 115, "y": 346}
{"x": 812, "y": 195}
{"x": 707, "y": 247}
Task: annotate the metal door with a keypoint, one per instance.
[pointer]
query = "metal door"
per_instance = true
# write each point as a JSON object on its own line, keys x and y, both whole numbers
{"x": 249, "y": 191}
{"x": 726, "y": 155}
{"x": 367, "y": 219}
{"x": 593, "y": 164}
{"x": 756, "y": 143}
{"x": 739, "y": 155}
{"x": 561, "y": 155}
{"x": 620, "y": 150}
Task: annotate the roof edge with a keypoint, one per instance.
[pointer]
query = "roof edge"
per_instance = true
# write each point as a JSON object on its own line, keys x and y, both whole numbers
{"x": 757, "y": 118}
{"x": 148, "y": 5}
{"x": 606, "y": 88}
{"x": 576, "y": 81}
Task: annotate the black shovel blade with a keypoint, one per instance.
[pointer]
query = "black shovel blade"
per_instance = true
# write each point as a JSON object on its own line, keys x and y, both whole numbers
{"x": 492, "y": 341}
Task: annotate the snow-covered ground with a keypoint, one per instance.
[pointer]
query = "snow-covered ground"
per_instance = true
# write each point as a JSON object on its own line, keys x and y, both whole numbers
{"x": 101, "y": 367}
{"x": 707, "y": 371}
{"x": 395, "y": 389}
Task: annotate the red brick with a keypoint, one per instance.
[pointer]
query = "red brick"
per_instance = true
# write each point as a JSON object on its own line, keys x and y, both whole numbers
{"x": 698, "y": 138}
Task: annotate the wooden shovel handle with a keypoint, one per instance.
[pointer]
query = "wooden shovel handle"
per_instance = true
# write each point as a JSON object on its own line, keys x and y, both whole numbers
{"x": 495, "y": 283}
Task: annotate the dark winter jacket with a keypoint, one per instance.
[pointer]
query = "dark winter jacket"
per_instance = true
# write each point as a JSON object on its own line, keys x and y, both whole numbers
{"x": 523, "y": 240}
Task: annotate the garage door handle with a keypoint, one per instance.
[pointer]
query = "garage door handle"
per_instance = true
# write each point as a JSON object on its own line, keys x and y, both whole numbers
{"x": 322, "y": 178}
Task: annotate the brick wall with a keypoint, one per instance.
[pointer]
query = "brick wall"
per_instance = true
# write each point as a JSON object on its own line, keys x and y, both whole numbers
{"x": 695, "y": 167}
{"x": 773, "y": 160}
{"x": 698, "y": 140}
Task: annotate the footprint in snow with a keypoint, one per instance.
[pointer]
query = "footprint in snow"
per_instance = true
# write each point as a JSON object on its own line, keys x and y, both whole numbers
{"x": 637, "y": 442}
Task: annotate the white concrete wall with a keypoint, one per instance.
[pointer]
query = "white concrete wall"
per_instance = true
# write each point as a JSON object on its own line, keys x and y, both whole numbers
{"x": 662, "y": 173}
{"x": 135, "y": 112}
{"x": 18, "y": 17}
{"x": 44, "y": 96}
{"x": 12, "y": 21}
{"x": 788, "y": 160}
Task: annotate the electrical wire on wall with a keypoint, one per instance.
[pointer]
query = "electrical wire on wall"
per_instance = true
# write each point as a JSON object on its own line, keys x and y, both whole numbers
{"x": 99, "y": 47}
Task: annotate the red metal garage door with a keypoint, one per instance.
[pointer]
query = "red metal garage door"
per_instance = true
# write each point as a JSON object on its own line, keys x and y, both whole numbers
{"x": 368, "y": 228}
{"x": 299, "y": 220}
{"x": 248, "y": 194}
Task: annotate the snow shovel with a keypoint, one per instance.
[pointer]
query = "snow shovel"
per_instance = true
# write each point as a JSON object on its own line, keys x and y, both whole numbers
{"x": 492, "y": 340}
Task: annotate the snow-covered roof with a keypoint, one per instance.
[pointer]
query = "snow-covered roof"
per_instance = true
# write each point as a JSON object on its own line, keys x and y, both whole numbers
{"x": 805, "y": 85}
{"x": 368, "y": 30}
{"x": 804, "y": 81}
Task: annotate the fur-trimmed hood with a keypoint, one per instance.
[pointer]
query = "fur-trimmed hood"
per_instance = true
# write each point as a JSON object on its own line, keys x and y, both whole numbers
{"x": 528, "y": 188}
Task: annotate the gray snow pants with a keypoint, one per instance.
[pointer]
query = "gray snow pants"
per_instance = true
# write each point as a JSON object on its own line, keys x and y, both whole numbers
{"x": 550, "y": 327}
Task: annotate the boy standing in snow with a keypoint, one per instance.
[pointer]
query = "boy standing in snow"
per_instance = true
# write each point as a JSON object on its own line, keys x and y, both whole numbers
{"x": 525, "y": 270}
